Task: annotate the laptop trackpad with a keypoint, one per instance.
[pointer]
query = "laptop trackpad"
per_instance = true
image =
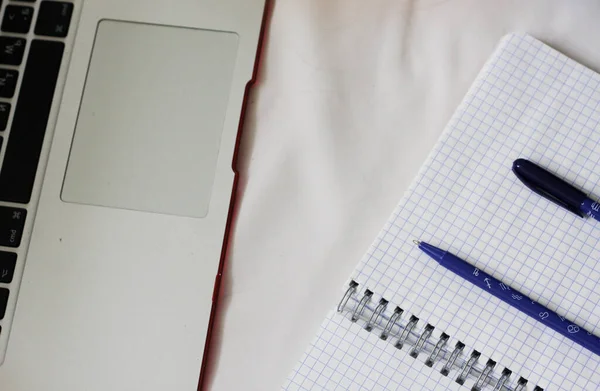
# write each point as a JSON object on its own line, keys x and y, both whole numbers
{"x": 150, "y": 121}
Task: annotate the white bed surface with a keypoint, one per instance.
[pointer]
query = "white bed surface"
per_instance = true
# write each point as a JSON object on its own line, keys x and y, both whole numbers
{"x": 342, "y": 87}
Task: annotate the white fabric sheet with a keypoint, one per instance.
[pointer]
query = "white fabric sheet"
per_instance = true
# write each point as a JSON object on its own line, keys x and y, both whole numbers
{"x": 350, "y": 98}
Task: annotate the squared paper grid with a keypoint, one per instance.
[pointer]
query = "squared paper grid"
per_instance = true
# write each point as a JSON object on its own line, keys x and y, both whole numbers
{"x": 529, "y": 101}
{"x": 345, "y": 357}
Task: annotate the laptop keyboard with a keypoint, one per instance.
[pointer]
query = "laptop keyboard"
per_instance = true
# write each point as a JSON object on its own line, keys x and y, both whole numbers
{"x": 29, "y": 69}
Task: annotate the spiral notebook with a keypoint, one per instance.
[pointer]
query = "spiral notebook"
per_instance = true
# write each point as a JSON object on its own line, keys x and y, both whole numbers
{"x": 406, "y": 323}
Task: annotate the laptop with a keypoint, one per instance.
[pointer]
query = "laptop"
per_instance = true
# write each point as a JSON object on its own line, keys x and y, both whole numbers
{"x": 118, "y": 130}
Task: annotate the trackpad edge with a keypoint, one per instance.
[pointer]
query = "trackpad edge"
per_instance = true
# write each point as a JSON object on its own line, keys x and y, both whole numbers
{"x": 151, "y": 117}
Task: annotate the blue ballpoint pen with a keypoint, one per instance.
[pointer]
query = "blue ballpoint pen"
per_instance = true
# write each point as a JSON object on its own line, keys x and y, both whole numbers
{"x": 512, "y": 297}
{"x": 555, "y": 189}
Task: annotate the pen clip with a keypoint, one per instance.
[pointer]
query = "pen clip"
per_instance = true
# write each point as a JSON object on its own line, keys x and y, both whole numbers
{"x": 549, "y": 186}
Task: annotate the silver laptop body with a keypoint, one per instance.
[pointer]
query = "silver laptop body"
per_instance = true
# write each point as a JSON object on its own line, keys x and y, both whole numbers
{"x": 116, "y": 181}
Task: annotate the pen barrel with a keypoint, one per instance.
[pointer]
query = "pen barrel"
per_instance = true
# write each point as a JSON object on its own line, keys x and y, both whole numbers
{"x": 591, "y": 208}
{"x": 521, "y": 302}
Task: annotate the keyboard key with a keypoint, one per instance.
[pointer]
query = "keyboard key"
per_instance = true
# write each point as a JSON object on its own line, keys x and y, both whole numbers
{"x": 17, "y": 19}
{"x": 3, "y": 301}
{"x": 54, "y": 18}
{"x": 4, "y": 113}
{"x": 30, "y": 120}
{"x": 8, "y": 82}
{"x": 12, "y": 221}
{"x": 8, "y": 261}
{"x": 11, "y": 50}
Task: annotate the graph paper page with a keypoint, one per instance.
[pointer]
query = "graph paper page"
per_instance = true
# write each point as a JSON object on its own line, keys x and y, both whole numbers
{"x": 529, "y": 101}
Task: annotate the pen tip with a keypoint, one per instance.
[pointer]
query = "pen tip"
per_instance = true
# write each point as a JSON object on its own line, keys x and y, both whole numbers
{"x": 415, "y": 241}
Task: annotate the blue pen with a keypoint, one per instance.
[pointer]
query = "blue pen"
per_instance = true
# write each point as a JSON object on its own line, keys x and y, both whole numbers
{"x": 512, "y": 297}
{"x": 555, "y": 189}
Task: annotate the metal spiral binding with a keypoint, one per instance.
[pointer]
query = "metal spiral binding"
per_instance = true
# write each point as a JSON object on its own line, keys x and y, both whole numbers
{"x": 489, "y": 367}
{"x": 438, "y": 348}
{"x": 450, "y": 363}
{"x": 376, "y": 314}
{"x": 464, "y": 372}
{"x": 503, "y": 379}
{"x": 349, "y": 292}
{"x": 420, "y": 342}
{"x": 412, "y": 323}
{"x": 391, "y": 323}
{"x": 361, "y": 306}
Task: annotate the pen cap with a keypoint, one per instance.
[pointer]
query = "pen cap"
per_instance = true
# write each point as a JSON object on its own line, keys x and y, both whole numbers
{"x": 549, "y": 185}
